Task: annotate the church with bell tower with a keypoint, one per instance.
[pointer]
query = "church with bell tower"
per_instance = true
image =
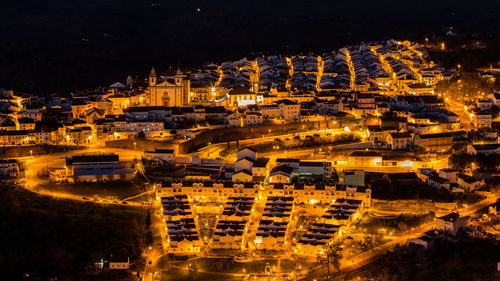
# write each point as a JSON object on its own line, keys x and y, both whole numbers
{"x": 171, "y": 88}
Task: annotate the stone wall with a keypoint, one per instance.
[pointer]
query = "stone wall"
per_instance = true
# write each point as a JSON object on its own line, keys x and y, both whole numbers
{"x": 234, "y": 134}
{"x": 141, "y": 145}
{"x": 40, "y": 149}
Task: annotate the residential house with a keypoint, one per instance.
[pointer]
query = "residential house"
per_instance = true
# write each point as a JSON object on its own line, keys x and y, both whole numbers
{"x": 365, "y": 158}
{"x": 469, "y": 183}
{"x": 9, "y": 170}
{"x": 93, "y": 114}
{"x": 215, "y": 114}
{"x": 354, "y": 177}
{"x": 438, "y": 182}
{"x": 280, "y": 174}
{"x": 290, "y": 110}
{"x": 78, "y": 135}
{"x": 312, "y": 170}
{"x": 271, "y": 111}
{"x": 495, "y": 98}
{"x": 399, "y": 140}
{"x": 484, "y": 149}
{"x": 78, "y": 107}
{"x": 449, "y": 174}
{"x": 251, "y": 119}
{"x": 481, "y": 119}
{"x": 260, "y": 170}
{"x": 14, "y": 137}
{"x": 484, "y": 104}
{"x": 233, "y": 119}
{"x": 242, "y": 175}
{"x": 451, "y": 223}
{"x": 130, "y": 128}
{"x": 43, "y": 137}
{"x": 439, "y": 142}
{"x": 247, "y": 152}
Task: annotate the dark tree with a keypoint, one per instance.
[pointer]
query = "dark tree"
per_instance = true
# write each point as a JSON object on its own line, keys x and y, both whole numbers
{"x": 140, "y": 136}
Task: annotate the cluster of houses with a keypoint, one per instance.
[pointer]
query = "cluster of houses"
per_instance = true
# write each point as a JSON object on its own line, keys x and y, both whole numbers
{"x": 386, "y": 89}
{"x": 418, "y": 121}
{"x": 327, "y": 227}
{"x": 450, "y": 180}
{"x": 242, "y": 224}
{"x": 282, "y": 173}
{"x": 358, "y": 80}
{"x": 233, "y": 223}
{"x": 248, "y": 167}
{"x": 446, "y": 226}
{"x": 271, "y": 233}
{"x": 238, "y": 212}
{"x": 180, "y": 225}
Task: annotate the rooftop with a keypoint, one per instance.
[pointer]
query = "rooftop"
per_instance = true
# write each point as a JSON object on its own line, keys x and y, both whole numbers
{"x": 365, "y": 153}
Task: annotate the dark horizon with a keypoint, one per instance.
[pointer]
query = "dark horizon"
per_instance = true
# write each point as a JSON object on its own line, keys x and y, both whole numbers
{"x": 57, "y": 46}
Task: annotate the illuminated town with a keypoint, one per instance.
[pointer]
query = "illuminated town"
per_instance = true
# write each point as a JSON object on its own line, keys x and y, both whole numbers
{"x": 305, "y": 167}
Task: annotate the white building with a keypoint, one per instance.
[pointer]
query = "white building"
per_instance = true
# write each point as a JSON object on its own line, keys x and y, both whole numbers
{"x": 398, "y": 141}
{"x": 270, "y": 111}
{"x": 149, "y": 127}
{"x": 9, "y": 169}
{"x": 450, "y": 223}
{"x": 92, "y": 168}
{"x": 247, "y": 152}
{"x": 481, "y": 119}
{"x": 233, "y": 119}
{"x": 352, "y": 177}
{"x": 485, "y": 149}
{"x": 290, "y": 110}
{"x": 252, "y": 119}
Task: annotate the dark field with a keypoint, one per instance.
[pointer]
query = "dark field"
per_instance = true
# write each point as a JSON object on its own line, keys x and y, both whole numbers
{"x": 59, "y": 45}
{"x": 120, "y": 190}
{"x": 43, "y": 235}
{"x": 444, "y": 260}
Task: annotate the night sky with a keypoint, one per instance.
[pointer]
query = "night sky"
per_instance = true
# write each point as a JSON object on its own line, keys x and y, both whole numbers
{"x": 60, "y": 45}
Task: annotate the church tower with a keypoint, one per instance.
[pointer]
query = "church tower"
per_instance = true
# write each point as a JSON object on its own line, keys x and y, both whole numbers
{"x": 130, "y": 81}
{"x": 178, "y": 77}
{"x": 152, "y": 77}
